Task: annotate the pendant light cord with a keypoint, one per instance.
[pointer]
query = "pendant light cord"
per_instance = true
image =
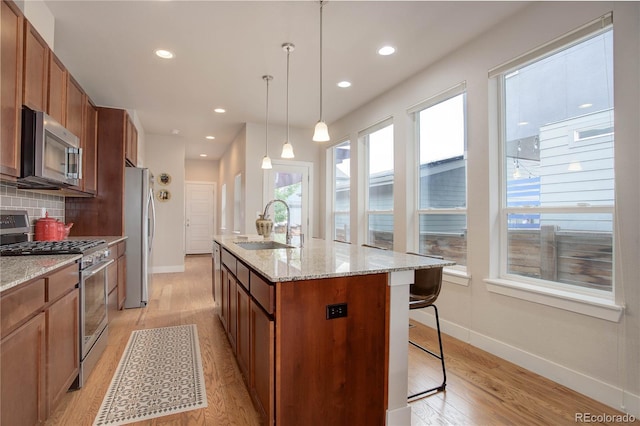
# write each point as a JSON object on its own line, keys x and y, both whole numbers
{"x": 266, "y": 122}
{"x": 288, "y": 53}
{"x": 321, "y": 6}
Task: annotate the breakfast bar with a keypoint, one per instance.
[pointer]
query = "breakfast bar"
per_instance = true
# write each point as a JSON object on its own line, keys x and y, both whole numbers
{"x": 319, "y": 331}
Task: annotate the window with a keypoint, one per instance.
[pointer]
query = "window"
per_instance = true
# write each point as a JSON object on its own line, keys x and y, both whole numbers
{"x": 378, "y": 142}
{"x": 237, "y": 203}
{"x": 442, "y": 176}
{"x": 223, "y": 207}
{"x": 341, "y": 155}
{"x": 557, "y": 165}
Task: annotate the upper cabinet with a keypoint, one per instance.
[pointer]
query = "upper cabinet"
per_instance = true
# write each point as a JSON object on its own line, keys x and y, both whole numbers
{"x": 75, "y": 108}
{"x": 131, "y": 144}
{"x": 57, "y": 93}
{"x": 11, "y": 45}
{"x": 36, "y": 67}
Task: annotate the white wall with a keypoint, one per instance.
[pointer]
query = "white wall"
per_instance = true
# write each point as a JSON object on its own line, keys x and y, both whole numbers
{"x": 596, "y": 357}
{"x": 231, "y": 163}
{"x": 165, "y": 154}
{"x": 201, "y": 170}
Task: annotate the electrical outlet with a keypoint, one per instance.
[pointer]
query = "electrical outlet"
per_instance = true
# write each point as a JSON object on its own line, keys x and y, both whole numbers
{"x": 338, "y": 310}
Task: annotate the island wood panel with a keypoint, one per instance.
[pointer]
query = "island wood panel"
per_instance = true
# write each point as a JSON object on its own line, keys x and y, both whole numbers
{"x": 334, "y": 370}
{"x": 11, "y": 46}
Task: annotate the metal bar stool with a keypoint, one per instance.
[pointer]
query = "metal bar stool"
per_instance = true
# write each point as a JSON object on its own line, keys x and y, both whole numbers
{"x": 423, "y": 294}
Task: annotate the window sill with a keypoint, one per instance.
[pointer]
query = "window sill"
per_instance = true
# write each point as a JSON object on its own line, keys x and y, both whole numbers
{"x": 456, "y": 277}
{"x": 583, "y": 304}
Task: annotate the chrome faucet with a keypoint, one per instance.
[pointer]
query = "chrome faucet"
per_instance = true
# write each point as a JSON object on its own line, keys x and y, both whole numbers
{"x": 266, "y": 209}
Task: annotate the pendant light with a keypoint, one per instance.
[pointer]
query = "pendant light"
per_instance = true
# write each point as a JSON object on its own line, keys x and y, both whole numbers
{"x": 266, "y": 161}
{"x": 287, "y": 148}
{"x": 321, "y": 133}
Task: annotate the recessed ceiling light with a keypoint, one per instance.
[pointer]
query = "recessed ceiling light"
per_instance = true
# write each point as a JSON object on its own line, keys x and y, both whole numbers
{"x": 210, "y": 137}
{"x": 220, "y": 110}
{"x": 164, "y": 54}
{"x": 175, "y": 131}
{"x": 587, "y": 105}
{"x": 203, "y": 155}
{"x": 523, "y": 123}
{"x": 344, "y": 84}
{"x": 386, "y": 50}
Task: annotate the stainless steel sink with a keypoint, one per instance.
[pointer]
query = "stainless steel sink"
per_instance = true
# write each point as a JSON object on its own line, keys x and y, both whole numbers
{"x": 262, "y": 245}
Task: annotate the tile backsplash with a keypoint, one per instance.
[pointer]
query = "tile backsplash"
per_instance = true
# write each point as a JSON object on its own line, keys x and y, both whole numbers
{"x": 12, "y": 198}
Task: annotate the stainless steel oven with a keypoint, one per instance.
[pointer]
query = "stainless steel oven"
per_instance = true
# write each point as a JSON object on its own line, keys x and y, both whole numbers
{"x": 93, "y": 309}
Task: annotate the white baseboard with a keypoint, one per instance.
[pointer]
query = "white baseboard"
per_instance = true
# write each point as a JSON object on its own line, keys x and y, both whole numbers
{"x": 167, "y": 269}
{"x": 600, "y": 391}
{"x": 399, "y": 416}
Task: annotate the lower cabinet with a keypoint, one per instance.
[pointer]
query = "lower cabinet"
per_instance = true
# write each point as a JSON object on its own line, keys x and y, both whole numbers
{"x": 39, "y": 346}
{"x": 262, "y": 360}
{"x": 117, "y": 277}
{"x": 232, "y": 325}
{"x": 63, "y": 350}
{"x": 22, "y": 374}
{"x": 242, "y": 332}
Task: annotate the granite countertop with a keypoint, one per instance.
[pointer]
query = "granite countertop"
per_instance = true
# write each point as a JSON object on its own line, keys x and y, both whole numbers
{"x": 20, "y": 269}
{"x": 15, "y": 270}
{"x": 324, "y": 259}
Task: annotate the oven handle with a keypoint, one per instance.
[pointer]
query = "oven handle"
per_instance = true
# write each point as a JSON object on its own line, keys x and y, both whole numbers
{"x": 95, "y": 268}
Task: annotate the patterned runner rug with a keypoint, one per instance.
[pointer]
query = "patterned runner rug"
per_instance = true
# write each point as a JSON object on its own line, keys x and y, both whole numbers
{"x": 160, "y": 373}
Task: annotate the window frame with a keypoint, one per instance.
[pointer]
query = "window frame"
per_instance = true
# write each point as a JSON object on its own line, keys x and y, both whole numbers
{"x": 587, "y": 301}
{"x": 414, "y": 111}
{"x": 334, "y": 211}
{"x": 364, "y": 143}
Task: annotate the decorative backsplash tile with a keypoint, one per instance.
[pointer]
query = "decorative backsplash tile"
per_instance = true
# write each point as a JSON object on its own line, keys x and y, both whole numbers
{"x": 12, "y": 198}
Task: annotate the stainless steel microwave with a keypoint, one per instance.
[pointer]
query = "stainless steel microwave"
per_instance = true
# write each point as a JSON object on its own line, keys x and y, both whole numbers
{"x": 51, "y": 155}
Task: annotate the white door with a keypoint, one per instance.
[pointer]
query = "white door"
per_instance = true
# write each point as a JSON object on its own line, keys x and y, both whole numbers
{"x": 289, "y": 181}
{"x": 199, "y": 216}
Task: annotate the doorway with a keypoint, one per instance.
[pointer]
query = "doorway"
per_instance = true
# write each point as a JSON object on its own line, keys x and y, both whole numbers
{"x": 199, "y": 217}
{"x": 290, "y": 182}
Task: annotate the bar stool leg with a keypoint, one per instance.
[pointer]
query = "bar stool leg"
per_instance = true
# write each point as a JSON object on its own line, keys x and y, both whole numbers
{"x": 440, "y": 356}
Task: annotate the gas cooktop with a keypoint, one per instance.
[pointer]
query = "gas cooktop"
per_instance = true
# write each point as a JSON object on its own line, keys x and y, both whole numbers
{"x": 49, "y": 247}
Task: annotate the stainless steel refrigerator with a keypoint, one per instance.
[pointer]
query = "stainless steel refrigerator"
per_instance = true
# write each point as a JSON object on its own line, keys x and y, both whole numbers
{"x": 139, "y": 225}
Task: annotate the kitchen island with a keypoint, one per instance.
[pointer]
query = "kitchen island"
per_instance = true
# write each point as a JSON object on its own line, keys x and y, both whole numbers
{"x": 320, "y": 333}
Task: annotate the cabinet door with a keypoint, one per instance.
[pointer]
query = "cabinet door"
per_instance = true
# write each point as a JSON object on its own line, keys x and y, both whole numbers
{"x": 57, "y": 93}
{"x": 262, "y": 362}
{"x": 11, "y": 40}
{"x": 131, "y": 143}
{"x": 22, "y": 374}
{"x": 243, "y": 337}
{"x": 122, "y": 281}
{"x": 90, "y": 149}
{"x": 224, "y": 297}
{"x": 232, "y": 331}
{"x": 62, "y": 347}
{"x": 36, "y": 64}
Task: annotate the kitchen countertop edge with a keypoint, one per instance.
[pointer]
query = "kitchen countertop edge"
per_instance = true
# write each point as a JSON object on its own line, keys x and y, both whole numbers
{"x": 17, "y": 270}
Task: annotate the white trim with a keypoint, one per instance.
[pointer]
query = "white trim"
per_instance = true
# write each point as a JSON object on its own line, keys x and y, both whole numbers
{"x": 611, "y": 395}
{"x": 570, "y": 301}
{"x": 446, "y": 94}
{"x": 398, "y": 409}
{"x": 454, "y": 276}
{"x": 167, "y": 269}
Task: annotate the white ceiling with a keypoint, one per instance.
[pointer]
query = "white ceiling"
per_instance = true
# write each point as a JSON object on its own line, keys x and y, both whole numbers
{"x": 224, "y": 47}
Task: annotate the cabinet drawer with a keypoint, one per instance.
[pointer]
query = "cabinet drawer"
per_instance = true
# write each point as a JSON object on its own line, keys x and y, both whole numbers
{"x": 113, "y": 252}
{"x": 122, "y": 248}
{"x": 243, "y": 275}
{"x": 263, "y": 292}
{"x": 60, "y": 282}
{"x": 19, "y": 304}
{"x": 229, "y": 261}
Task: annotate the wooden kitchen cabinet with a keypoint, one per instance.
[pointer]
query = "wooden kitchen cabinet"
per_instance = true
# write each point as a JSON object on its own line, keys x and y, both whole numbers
{"x": 224, "y": 297}
{"x": 90, "y": 147}
{"x": 11, "y": 45}
{"x": 232, "y": 324}
{"x": 116, "y": 277}
{"x": 36, "y": 69}
{"x": 122, "y": 274}
{"x": 131, "y": 145}
{"x": 22, "y": 374}
{"x": 243, "y": 337}
{"x": 75, "y": 108}
{"x": 261, "y": 361}
{"x": 57, "y": 89}
{"x": 39, "y": 350}
{"x": 104, "y": 214}
{"x": 63, "y": 340}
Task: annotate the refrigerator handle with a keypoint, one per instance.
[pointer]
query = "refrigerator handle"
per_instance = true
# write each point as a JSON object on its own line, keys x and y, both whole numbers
{"x": 152, "y": 218}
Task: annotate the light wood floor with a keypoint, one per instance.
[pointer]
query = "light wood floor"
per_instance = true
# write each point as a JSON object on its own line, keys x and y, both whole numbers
{"x": 481, "y": 389}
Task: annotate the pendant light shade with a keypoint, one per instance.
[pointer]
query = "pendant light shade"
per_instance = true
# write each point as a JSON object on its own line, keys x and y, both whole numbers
{"x": 321, "y": 133}
{"x": 266, "y": 161}
{"x": 287, "y": 148}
